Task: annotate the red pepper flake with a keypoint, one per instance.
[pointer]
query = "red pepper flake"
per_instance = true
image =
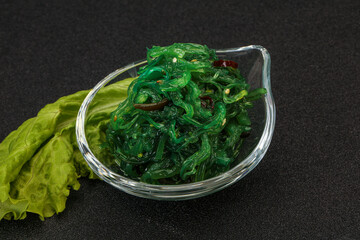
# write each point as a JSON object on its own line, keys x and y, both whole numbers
{"x": 152, "y": 106}
{"x": 159, "y": 81}
{"x": 203, "y": 103}
{"x": 115, "y": 118}
{"x": 225, "y": 63}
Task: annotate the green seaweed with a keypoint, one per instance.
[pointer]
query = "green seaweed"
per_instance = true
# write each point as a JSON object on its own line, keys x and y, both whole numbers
{"x": 198, "y": 133}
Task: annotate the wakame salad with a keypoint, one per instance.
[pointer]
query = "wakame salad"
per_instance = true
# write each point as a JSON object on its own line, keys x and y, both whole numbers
{"x": 184, "y": 119}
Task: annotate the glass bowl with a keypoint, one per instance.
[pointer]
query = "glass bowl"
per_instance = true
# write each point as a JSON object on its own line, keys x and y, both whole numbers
{"x": 254, "y": 64}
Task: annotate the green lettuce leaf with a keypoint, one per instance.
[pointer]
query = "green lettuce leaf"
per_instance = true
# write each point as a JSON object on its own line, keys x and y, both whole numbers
{"x": 40, "y": 161}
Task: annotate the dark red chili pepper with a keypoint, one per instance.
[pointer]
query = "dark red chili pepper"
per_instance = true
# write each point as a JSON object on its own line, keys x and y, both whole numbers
{"x": 152, "y": 106}
{"x": 245, "y": 134}
{"x": 225, "y": 63}
{"x": 203, "y": 103}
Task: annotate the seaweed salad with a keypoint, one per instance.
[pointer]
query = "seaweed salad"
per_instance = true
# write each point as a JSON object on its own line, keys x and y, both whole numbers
{"x": 184, "y": 119}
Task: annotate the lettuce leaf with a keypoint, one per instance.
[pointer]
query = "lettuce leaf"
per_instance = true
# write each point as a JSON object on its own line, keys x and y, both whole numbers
{"x": 40, "y": 161}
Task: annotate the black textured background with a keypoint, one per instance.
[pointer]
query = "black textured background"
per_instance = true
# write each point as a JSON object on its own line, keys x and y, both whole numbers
{"x": 306, "y": 187}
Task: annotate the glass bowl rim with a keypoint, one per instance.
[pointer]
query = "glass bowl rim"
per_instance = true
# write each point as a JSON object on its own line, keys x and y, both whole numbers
{"x": 222, "y": 180}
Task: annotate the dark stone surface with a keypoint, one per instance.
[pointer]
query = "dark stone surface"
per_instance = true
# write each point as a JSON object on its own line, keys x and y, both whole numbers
{"x": 306, "y": 187}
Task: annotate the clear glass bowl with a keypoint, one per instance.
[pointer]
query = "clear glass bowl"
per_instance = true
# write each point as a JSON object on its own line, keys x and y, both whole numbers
{"x": 254, "y": 64}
